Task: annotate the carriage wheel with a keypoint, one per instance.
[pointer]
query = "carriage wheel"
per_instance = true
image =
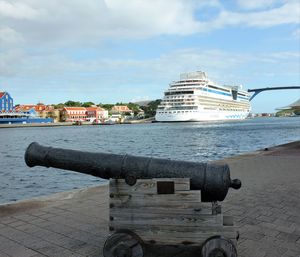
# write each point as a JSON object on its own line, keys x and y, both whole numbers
{"x": 218, "y": 247}
{"x": 123, "y": 244}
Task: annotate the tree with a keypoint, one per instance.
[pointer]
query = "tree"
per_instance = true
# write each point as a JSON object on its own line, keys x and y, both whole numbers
{"x": 134, "y": 107}
{"x": 287, "y": 112}
{"x": 106, "y": 106}
{"x": 150, "y": 109}
{"x": 59, "y": 106}
{"x": 87, "y": 104}
{"x": 297, "y": 112}
{"x": 72, "y": 104}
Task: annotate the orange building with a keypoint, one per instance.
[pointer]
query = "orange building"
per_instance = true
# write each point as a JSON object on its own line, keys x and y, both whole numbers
{"x": 97, "y": 113}
{"x": 37, "y": 107}
{"x": 73, "y": 114}
{"x": 83, "y": 114}
{"x": 121, "y": 109}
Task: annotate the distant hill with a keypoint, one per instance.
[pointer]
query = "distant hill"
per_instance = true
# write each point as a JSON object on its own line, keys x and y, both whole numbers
{"x": 149, "y": 107}
{"x": 144, "y": 103}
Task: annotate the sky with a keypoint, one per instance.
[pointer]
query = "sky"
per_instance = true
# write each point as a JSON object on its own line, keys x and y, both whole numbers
{"x": 108, "y": 51}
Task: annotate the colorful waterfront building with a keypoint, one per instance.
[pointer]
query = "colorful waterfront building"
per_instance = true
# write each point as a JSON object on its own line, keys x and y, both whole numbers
{"x": 37, "y": 107}
{"x": 96, "y": 113}
{"x": 122, "y": 109}
{"x": 42, "y": 110}
{"x": 71, "y": 114}
{"x": 11, "y": 115}
{"x": 6, "y": 102}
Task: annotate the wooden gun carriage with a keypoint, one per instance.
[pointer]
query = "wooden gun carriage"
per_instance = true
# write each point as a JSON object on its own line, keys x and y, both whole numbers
{"x": 155, "y": 201}
{"x": 165, "y": 212}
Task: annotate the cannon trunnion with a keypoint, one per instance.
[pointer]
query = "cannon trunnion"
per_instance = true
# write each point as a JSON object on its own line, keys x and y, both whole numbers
{"x": 154, "y": 201}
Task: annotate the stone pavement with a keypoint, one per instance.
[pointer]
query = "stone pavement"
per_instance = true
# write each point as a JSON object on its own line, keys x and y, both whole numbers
{"x": 266, "y": 210}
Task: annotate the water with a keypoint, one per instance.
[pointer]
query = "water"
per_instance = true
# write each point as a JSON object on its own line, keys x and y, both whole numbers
{"x": 182, "y": 141}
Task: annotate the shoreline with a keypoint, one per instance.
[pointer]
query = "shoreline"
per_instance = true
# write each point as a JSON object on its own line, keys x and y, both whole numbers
{"x": 130, "y": 122}
{"x": 32, "y": 125}
{"x": 66, "y": 124}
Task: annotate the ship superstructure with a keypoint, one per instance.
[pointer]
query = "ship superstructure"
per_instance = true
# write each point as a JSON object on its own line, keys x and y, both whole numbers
{"x": 195, "y": 98}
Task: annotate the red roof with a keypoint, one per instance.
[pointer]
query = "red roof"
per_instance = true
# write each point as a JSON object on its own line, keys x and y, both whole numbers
{"x": 24, "y": 107}
{"x": 75, "y": 108}
{"x": 2, "y": 94}
{"x": 94, "y": 109}
{"x": 37, "y": 107}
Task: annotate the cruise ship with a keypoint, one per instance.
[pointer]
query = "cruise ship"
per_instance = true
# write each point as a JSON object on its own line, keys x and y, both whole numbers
{"x": 195, "y": 98}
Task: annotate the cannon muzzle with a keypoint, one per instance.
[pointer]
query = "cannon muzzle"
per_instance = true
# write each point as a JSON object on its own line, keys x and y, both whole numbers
{"x": 212, "y": 179}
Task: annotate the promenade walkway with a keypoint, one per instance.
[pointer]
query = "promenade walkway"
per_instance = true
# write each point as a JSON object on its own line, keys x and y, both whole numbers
{"x": 266, "y": 211}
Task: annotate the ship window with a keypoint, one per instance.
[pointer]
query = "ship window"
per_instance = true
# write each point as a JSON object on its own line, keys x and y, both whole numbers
{"x": 214, "y": 87}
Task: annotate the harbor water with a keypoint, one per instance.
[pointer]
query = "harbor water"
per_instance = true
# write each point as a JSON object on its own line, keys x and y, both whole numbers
{"x": 199, "y": 142}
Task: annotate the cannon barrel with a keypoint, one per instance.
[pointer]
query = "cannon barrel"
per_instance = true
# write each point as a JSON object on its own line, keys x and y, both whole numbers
{"x": 212, "y": 179}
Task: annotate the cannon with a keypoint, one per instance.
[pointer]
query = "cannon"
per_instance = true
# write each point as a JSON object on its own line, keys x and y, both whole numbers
{"x": 154, "y": 201}
{"x": 213, "y": 180}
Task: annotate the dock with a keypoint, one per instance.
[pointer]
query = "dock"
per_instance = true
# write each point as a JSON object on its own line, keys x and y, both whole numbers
{"x": 75, "y": 224}
{"x": 32, "y": 125}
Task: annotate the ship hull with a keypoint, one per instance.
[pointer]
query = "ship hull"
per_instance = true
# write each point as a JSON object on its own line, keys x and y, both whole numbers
{"x": 201, "y": 116}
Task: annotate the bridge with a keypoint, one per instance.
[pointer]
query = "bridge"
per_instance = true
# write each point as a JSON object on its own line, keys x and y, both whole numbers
{"x": 259, "y": 90}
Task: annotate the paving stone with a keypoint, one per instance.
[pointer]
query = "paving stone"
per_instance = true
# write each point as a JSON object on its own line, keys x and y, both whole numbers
{"x": 288, "y": 236}
{"x": 8, "y": 220}
{"x": 39, "y": 255}
{"x": 17, "y": 224}
{"x": 19, "y": 250}
{"x": 264, "y": 218}
{"x": 3, "y": 254}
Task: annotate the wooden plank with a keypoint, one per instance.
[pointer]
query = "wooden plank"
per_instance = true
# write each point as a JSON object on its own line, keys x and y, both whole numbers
{"x": 119, "y": 186}
{"x": 150, "y": 219}
{"x": 139, "y": 199}
{"x": 147, "y": 185}
{"x": 190, "y": 196}
{"x": 187, "y": 208}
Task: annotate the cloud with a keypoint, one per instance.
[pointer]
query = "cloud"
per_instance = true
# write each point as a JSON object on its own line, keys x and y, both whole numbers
{"x": 74, "y": 23}
{"x": 118, "y": 79}
{"x": 257, "y": 4}
{"x": 153, "y": 17}
{"x": 10, "y": 62}
{"x": 296, "y": 34}
{"x": 287, "y": 13}
{"x": 35, "y": 36}
{"x": 17, "y": 10}
{"x": 222, "y": 66}
{"x": 9, "y": 37}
